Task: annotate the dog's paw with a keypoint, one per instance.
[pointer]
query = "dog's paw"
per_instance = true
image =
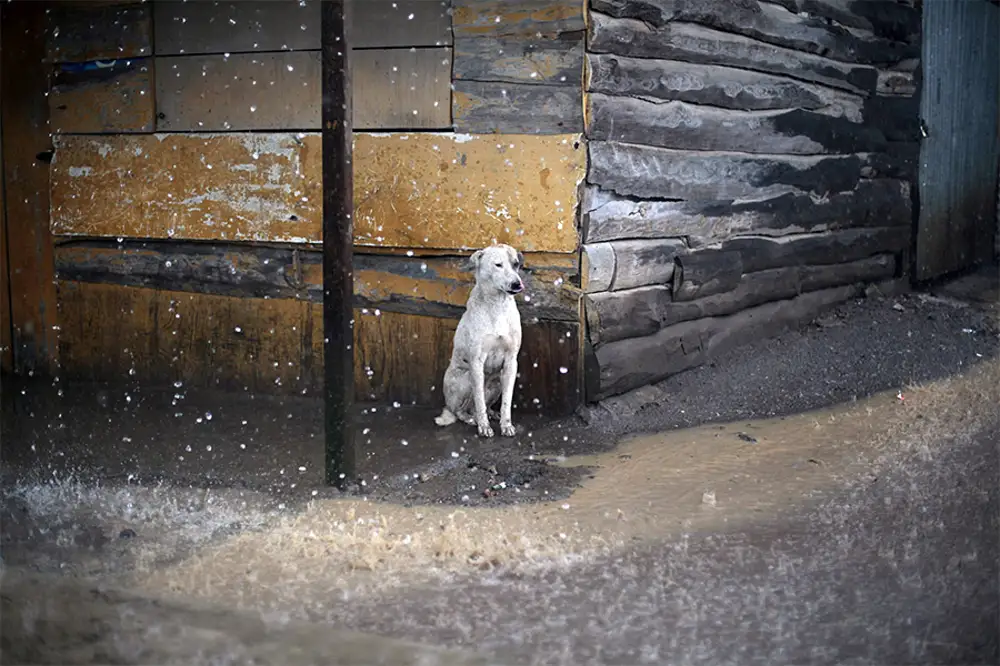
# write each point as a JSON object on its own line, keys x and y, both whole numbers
{"x": 485, "y": 430}
{"x": 507, "y": 429}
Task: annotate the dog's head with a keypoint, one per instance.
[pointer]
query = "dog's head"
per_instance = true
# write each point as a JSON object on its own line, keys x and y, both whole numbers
{"x": 496, "y": 267}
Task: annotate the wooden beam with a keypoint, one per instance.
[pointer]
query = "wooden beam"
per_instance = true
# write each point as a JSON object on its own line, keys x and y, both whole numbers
{"x": 265, "y": 187}
{"x": 6, "y": 330}
{"x": 686, "y": 126}
{"x": 891, "y": 20}
{"x": 87, "y": 31}
{"x": 688, "y": 42}
{"x": 481, "y": 107}
{"x": 871, "y": 203}
{"x": 521, "y": 59}
{"x": 629, "y": 364}
{"x": 706, "y": 273}
{"x": 659, "y": 173}
{"x": 491, "y": 18}
{"x": 338, "y": 245}
{"x": 26, "y": 151}
{"x": 626, "y": 264}
{"x": 103, "y": 98}
{"x": 714, "y": 85}
{"x": 640, "y": 312}
{"x": 766, "y": 22}
{"x": 437, "y": 286}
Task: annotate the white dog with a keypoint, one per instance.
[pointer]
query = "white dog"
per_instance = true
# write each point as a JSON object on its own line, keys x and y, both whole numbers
{"x": 484, "y": 357}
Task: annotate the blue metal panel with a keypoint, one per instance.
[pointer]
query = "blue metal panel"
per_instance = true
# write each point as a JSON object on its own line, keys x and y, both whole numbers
{"x": 959, "y": 156}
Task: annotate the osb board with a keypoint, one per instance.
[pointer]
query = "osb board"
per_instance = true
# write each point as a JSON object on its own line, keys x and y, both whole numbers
{"x": 392, "y": 89}
{"x": 427, "y": 190}
{"x": 85, "y": 31}
{"x": 154, "y": 337}
{"x": 516, "y": 17}
{"x": 285, "y": 25}
{"x": 96, "y": 98}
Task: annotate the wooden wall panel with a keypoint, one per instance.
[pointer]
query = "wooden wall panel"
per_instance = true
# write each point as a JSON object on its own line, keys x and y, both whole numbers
{"x": 424, "y": 190}
{"x": 25, "y": 145}
{"x": 285, "y": 25}
{"x": 517, "y": 59}
{"x": 393, "y": 89}
{"x": 274, "y": 346}
{"x": 483, "y": 107}
{"x": 91, "y": 98}
{"x": 437, "y": 286}
{"x": 84, "y": 31}
{"x": 6, "y": 351}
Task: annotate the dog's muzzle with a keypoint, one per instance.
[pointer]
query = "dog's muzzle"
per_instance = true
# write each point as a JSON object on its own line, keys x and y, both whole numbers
{"x": 515, "y": 287}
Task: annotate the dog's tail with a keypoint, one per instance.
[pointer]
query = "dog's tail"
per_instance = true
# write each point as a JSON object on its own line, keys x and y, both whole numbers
{"x": 446, "y": 418}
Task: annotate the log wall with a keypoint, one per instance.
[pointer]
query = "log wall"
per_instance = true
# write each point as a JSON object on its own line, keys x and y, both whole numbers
{"x": 186, "y": 201}
{"x": 750, "y": 163}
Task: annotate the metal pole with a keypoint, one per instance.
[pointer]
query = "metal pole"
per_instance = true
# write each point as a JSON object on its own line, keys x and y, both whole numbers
{"x": 338, "y": 238}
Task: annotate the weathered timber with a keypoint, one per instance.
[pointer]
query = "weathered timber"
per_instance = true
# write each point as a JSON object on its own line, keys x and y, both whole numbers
{"x": 629, "y": 263}
{"x": 278, "y": 25}
{"x": 516, "y": 17}
{"x": 26, "y": 138}
{"x": 640, "y": 312}
{"x": 706, "y": 273}
{"x": 6, "y": 321}
{"x": 275, "y": 346}
{"x": 406, "y": 184}
{"x": 635, "y": 362}
{"x": 714, "y": 85}
{"x": 96, "y": 97}
{"x": 685, "y": 126}
{"x": 436, "y": 286}
{"x": 896, "y": 83}
{"x": 661, "y": 173}
{"x": 890, "y": 20}
{"x": 485, "y": 107}
{"x": 833, "y": 247}
{"x": 688, "y": 42}
{"x": 86, "y": 31}
{"x": 872, "y": 203}
{"x": 766, "y": 22}
{"x": 897, "y": 117}
{"x": 393, "y": 89}
{"x": 521, "y": 59}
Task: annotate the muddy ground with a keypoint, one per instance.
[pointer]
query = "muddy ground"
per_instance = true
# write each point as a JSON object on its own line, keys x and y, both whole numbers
{"x": 135, "y": 530}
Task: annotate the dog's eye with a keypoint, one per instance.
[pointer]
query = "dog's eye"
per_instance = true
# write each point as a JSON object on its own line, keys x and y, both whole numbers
{"x": 499, "y": 264}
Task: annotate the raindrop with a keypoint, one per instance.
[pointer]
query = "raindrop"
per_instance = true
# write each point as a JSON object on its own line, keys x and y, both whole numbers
{"x": 208, "y": 447}
{"x": 404, "y": 442}
{"x": 410, "y": 17}
{"x": 208, "y": 416}
{"x": 302, "y": 468}
{"x": 563, "y": 370}
{"x": 238, "y": 329}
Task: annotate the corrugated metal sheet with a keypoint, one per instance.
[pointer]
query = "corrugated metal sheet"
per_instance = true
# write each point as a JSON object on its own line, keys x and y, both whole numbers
{"x": 960, "y": 106}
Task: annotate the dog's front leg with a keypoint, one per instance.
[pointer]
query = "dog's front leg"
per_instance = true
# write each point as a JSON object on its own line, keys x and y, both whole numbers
{"x": 478, "y": 372}
{"x": 507, "y": 380}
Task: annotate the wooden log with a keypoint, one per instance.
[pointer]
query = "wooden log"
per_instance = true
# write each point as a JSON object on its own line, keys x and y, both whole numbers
{"x": 890, "y": 20}
{"x": 766, "y": 22}
{"x": 761, "y": 252}
{"x": 193, "y": 28}
{"x": 435, "y": 286}
{"x": 896, "y": 83}
{"x": 629, "y": 263}
{"x": 635, "y": 362}
{"x": 660, "y": 173}
{"x": 222, "y": 187}
{"x": 706, "y": 273}
{"x": 688, "y": 42}
{"x": 644, "y": 311}
{"x": 484, "y": 107}
{"x": 275, "y": 346}
{"x": 521, "y": 59}
{"x": 685, "y": 126}
{"x": 87, "y": 31}
{"x": 491, "y": 18}
{"x": 872, "y": 203}
{"x": 713, "y": 85}
{"x": 97, "y": 97}
{"x": 393, "y": 89}
{"x": 897, "y": 117}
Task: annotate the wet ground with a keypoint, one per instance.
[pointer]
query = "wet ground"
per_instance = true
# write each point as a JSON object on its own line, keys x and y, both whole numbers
{"x": 862, "y": 532}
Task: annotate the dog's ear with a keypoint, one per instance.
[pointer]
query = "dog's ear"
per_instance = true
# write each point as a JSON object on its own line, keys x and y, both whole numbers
{"x": 516, "y": 258}
{"x": 472, "y": 263}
